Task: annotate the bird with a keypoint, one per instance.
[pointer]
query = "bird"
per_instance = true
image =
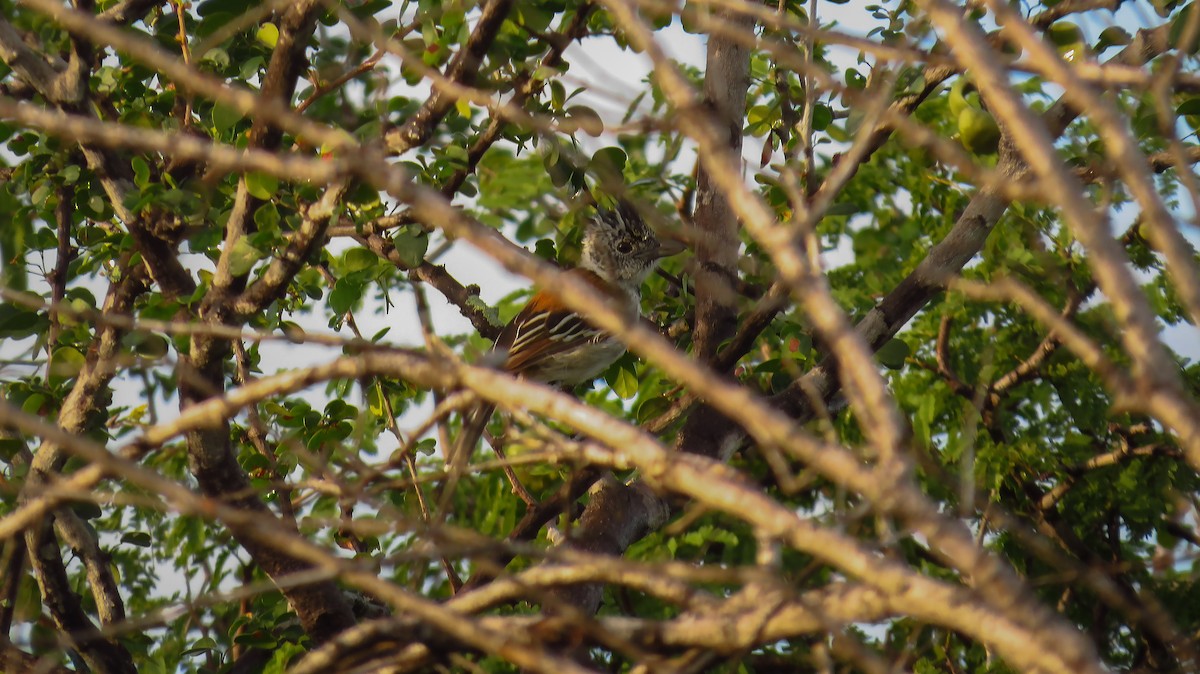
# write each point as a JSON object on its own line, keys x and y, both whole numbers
{"x": 550, "y": 343}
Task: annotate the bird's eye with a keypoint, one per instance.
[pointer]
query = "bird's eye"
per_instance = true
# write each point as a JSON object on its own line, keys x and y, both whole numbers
{"x": 624, "y": 248}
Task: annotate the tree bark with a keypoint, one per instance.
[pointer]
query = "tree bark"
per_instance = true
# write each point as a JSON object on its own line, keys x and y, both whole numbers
{"x": 619, "y": 514}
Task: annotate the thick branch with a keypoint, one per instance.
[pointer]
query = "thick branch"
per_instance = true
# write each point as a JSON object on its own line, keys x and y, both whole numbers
{"x": 726, "y": 80}
{"x": 45, "y": 560}
{"x": 310, "y": 237}
{"x": 617, "y": 515}
{"x": 129, "y": 11}
{"x": 65, "y": 86}
{"x": 13, "y": 659}
{"x": 321, "y": 606}
{"x": 707, "y": 481}
{"x": 149, "y": 53}
{"x": 466, "y": 299}
{"x": 82, "y": 540}
{"x": 85, "y": 401}
{"x": 463, "y": 69}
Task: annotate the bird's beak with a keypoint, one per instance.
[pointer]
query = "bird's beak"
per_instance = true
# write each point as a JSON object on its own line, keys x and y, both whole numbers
{"x": 669, "y": 246}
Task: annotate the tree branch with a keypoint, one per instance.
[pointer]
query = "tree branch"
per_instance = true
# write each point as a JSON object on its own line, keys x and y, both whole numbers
{"x": 706, "y": 481}
{"x": 321, "y": 607}
{"x": 13, "y": 659}
{"x": 307, "y": 240}
{"x": 103, "y": 655}
{"x": 462, "y": 69}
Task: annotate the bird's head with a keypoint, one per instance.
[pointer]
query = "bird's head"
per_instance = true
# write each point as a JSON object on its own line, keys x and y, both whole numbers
{"x": 621, "y": 248}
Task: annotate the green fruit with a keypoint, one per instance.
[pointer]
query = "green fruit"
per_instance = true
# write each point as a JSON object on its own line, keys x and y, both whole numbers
{"x": 1064, "y": 33}
{"x": 978, "y": 131}
{"x": 268, "y": 35}
{"x": 1067, "y": 39}
{"x": 957, "y": 102}
{"x": 961, "y": 99}
{"x": 1073, "y": 51}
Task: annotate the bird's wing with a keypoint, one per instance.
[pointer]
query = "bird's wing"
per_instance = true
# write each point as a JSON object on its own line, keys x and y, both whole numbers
{"x": 543, "y": 330}
{"x": 545, "y": 327}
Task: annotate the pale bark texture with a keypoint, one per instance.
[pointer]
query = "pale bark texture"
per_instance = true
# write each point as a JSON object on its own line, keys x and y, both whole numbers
{"x": 920, "y": 395}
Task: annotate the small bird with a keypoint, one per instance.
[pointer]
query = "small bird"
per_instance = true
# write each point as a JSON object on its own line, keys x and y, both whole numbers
{"x": 550, "y": 343}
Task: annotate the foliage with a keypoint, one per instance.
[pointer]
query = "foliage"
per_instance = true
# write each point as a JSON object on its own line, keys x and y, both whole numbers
{"x": 1025, "y": 399}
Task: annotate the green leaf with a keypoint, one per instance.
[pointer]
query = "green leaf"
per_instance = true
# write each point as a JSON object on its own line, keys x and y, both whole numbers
{"x": 34, "y": 404}
{"x": 19, "y": 322}
{"x": 41, "y": 194}
{"x": 139, "y": 538}
{"x": 257, "y": 639}
{"x": 456, "y": 155}
{"x": 255, "y": 462}
{"x": 589, "y": 120}
{"x": 544, "y": 248}
{"x": 508, "y": 182}
{"x": 893, "y": 353}
{"x": 822, "y": 117}
{"x": 843, "y": 208}
{"x": 251, "y": 67}
{"x": 1113, "y": 36}
{"x": 87, "y": 510}
{"x": 210, "y": 7}
{"x": 558, "y": 95}
{"x": 625, "y": 384}
{"x": 534, "y": 17}
{"x": 261, "y": 185}
{"x": 978, "y": 131}
{"x": 375, "y": 400}
{"x": 608, "y": 161}
{"x": 201, "y": 645}
{"x": 281, "y": 656}
{"x": 266, "y": 217}
{"x": 141, "y": 172}
{"x": 358, "y": 259}
{"x": 69, "y": 174}
{"x": 66, "y": 362}
{"x": 1189, "y": 107}
{"x": 242, "y": 256}
{"x": 651, "y": 408}
{"x": 411, "y": 245}
{"x": 10, "y": 446}
{"x": 346, "y": 293}
{"x": 147, "y": 345}
{"x": 217, "y": 58}
{"x": 1179, "y": 28}
{"x": 224, "y": 117}
{"x": 761, "y": 118}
